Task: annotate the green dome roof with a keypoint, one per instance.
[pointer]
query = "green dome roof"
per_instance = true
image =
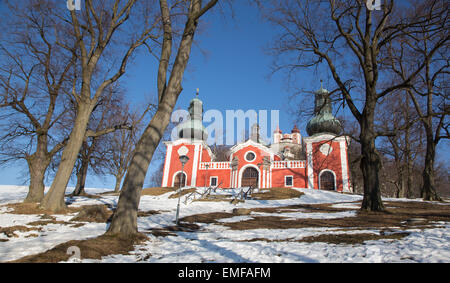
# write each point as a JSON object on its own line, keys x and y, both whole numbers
{"x": 193, "y": 128}
{"x": 323, "y": 120}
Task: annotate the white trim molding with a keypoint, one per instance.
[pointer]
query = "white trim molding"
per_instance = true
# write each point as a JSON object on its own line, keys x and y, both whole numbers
{"x": 254, "y": 156}
{"x": 252, "y": 143}
{"x": 310, "y": 168}
{"x": 190, "y": 142}
{"x": 167, "y": 166}
{"x": 195, "y": 165}
{"x": 344, "y": 166}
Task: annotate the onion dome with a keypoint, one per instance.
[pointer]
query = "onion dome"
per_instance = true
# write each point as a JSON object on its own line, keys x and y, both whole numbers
{"x": 193, "y": 127}
{"x": 295, "y": 130}
{"x": 323, "y": 120}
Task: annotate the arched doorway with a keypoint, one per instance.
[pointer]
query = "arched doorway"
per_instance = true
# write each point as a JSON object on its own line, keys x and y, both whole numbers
{"x": 179, "y": 180}
{"x": 327, "y": 181}
{"x": 250, "y": 177}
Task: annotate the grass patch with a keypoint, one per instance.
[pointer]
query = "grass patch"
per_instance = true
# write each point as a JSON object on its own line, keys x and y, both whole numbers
{"x": 10, "y": 231}
{"x": 398, "y": 216}
{"x": 277, "y": 194}
{"x": 352, "y": 239}
{"x": 94, "y": 248}
{"x": 183, "y": 192}
{"x": 156, "y": 191}
{"x": 347, "y": 239}
{"x": 33, "y": 208}
{"x": 170, "y": 230}
{"x": 149, "y": 212}
{"x": 93, "y": 213}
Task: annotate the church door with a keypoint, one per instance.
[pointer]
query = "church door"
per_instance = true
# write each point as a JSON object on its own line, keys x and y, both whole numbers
{"x": 250, "y": 178}
{"x": 180, "y": 180}
{"x": 327, "y": 181}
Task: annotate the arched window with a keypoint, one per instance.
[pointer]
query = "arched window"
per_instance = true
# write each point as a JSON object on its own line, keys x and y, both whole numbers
{"x": 180, "y": 180}
{"x": 327, "y": 181}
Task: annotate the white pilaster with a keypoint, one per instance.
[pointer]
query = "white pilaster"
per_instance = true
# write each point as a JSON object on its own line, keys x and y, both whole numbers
{"x": 344, "y": 165}
{"x": 167, "y": 165}
{"x": 195, "y": 165}
{"x": 310, "y": 171}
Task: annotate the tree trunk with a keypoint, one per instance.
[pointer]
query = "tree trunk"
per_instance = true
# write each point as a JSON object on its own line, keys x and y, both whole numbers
{"x": 54, "y": 199}
{"x": 124, "y": 221}
{"x": 370, "y": 164}
{"x": 429, "y": 189}
{"x": 401, "y": 183}
{"x": 37, "y": 166}
{"x": 118, "y": 181}
{"x": 409, "y": 181}
{"x": 81, "y": 179}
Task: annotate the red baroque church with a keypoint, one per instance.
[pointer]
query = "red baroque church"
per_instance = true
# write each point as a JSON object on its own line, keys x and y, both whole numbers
{"x": 315, "y": 162}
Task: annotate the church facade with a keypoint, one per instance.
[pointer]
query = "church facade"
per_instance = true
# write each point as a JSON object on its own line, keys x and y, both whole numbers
{"x": 318, "y": 161}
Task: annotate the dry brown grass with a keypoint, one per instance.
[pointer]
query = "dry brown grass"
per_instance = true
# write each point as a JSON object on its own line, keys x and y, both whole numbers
{"x": 149, "y": 212}
{"x": 36, "y": 226}
{"x": 86, "y": 195}
{"x": 349, "y": 239}
{"x": 183, "y": 193}
{"x": 170, "y": 230}
{"x": 33, "y": 208}
{"x": 156, "y": 191}
{"x": 93, "y": 213}
{"x": 10, "y": 231}
{"x": 94, "y": 248}
{"x": 397, "y": 216}
{"x": 277, "y": 194}
{"x": 265, "y": 194}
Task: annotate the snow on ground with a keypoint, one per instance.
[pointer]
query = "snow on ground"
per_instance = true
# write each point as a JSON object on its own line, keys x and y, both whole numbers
{"x": 217, "y": 243}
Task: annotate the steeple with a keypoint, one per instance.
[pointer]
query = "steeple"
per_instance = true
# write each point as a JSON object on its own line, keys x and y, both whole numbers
{"x": 323, "y": 120}
{"x": 193, "y": 128}
{"x": 254, "y": 135}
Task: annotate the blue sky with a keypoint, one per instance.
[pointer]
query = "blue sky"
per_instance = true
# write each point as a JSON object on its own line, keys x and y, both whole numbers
{"x": 233, "y": 74}
{"x": 231, "y": 70}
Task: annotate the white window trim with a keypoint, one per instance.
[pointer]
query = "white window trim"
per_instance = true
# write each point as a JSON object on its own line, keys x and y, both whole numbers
{"x": 217, "y": 181}
{"x": 245, "y": 156}
{"x": 285, "y": 177}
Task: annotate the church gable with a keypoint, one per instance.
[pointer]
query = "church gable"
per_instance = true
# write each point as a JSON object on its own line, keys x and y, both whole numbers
{"x": 259, "y": 149}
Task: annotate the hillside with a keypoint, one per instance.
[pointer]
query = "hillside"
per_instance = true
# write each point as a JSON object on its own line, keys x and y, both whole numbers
{"x": 294, "y": 225}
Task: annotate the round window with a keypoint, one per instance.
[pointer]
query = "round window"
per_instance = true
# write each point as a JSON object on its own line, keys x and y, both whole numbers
{"x": 250, "y": 156}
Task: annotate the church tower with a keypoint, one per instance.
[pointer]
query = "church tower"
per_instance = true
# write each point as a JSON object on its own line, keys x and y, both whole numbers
{"x": 326, "y": 148}
{"x": 323, "y": 120}
{"x": 193, "y": 128}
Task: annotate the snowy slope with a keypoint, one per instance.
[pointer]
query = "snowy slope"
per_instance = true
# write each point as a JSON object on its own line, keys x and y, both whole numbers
{"x": 217, "y": 243}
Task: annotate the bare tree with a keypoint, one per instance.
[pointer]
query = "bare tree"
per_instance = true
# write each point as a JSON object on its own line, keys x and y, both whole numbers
{"x": 124, "y": 221}
{"x": 346, "y": 35}
{"x": 429, "y": 92}
{"x": 120, "y": 145}
{"x": 109, "y": 116}
{"x": 396, "y": 114}
{"x": 96, "y": 29}
{"x": 33, "y": 75}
